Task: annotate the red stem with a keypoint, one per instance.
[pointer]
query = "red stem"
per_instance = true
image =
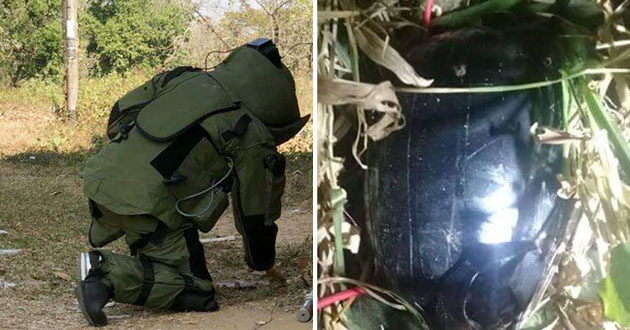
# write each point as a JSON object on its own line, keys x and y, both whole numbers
{"x": 426, "y": 18}
{"x": 339, "y": 296}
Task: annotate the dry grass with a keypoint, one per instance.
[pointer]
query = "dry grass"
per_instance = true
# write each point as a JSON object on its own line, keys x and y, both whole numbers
{"x": 596, "y": 169}
{"x": 46, "y": 216}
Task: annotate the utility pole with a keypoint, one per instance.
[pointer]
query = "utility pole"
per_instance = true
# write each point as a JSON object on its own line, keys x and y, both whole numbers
{"x": 71, "y": 52}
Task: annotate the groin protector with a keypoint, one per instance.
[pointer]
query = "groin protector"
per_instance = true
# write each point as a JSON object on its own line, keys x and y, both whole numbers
{"x": 461, "y": 204}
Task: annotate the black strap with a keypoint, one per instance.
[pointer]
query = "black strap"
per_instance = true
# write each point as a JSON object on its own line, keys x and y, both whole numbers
{"x": 155, "y": 237}
{"x": 175, "y": 73}
{"x": 147, "y": 282}
{"x": 169, "y": 160}
{"x": 113, "y": 117}
{"x": 238, "y": 130}
{"x": 197, "y": 257}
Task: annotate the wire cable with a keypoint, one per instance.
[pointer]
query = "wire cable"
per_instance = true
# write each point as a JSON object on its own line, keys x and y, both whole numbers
{"x": 214, "y": 185}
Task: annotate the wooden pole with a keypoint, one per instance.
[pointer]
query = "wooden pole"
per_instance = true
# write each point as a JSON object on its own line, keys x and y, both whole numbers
{"x": 71, "y": 47}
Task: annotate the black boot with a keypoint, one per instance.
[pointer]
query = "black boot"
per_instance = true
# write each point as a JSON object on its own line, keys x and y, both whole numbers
{"x": 92, "y": 295}
{"x": 195, "y": 301}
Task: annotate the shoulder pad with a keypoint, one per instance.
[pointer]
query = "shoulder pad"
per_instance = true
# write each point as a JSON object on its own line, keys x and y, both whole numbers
{"x": 184, "y": 106}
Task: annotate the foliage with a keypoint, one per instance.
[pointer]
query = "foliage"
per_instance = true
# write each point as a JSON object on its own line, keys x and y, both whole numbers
{"x": 115, "y": 36}
{"x": 615, "y": 289}
{"x": 30, "y": 39}
{"x": 127, "y": 42}
{"x": 125, "y": 34}
{"x": 251, "y": 20}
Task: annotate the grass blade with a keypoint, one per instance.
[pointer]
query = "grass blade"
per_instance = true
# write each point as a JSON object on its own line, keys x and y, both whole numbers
{"x": 603, "y": 120}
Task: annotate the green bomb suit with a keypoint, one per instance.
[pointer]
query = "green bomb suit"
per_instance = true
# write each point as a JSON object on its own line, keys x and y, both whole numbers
{"x": 180, "y": 133}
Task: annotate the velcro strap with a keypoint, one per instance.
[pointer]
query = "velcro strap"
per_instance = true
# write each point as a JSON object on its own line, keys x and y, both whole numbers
{"x": 239, "y": 129}
{"x": 147, "y": 282}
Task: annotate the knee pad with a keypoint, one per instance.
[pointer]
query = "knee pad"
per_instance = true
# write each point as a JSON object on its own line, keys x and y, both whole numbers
{"x": 141, "y": 282}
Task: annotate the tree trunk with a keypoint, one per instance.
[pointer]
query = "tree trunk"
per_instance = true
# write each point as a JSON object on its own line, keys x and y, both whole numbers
{"x": 71, "y": 57}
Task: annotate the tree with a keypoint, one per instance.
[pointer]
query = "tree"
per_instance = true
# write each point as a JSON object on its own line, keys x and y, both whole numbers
{"x": 288, "y": 22}
{"x": 124, "y": 34}
{"x": 30, "y": 39}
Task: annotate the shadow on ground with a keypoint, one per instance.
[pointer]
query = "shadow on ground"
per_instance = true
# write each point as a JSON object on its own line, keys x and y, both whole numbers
{"x": 46, "y": 217}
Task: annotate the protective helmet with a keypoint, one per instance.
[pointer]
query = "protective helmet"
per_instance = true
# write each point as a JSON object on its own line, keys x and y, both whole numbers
{"x": 256, "y": 75}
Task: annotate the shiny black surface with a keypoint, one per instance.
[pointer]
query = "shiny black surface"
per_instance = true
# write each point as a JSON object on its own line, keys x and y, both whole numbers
{"x": 458, "y": 200}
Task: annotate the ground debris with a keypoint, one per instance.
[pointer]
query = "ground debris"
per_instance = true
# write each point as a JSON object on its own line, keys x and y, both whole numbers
{"x": 63, "y": 276}
{"x": 10, "y": 252}
{"x": 218, "y": 239}
{"x": 122, "y": 316}
{"x": 5, "y": 285}
{"x": 263, "y": 323}
{"x": 3, "y": 232}
{"x": 240, "y": 284}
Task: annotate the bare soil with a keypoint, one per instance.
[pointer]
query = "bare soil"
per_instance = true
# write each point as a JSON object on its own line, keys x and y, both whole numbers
{"x": 45, "y": 215}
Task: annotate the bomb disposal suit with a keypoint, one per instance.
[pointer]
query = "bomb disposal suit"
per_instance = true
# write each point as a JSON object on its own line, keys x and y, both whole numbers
{"x": 180, "y": 144}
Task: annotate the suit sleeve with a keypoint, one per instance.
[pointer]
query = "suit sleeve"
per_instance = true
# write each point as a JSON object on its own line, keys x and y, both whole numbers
{"x": 256, "y": 196}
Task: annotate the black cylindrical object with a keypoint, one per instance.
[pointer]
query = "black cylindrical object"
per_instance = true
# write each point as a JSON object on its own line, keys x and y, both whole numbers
{"x": 459, "y": 201}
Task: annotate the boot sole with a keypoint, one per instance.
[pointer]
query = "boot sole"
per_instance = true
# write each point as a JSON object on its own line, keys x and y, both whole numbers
{"x": 78, "y": 292}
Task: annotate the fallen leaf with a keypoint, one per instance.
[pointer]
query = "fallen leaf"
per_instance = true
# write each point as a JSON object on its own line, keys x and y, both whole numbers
{"x": 303, "y": 264}
{"x": 63, "y": 276}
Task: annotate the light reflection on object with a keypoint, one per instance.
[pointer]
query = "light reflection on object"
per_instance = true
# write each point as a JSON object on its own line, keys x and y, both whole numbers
{"x": 503, "y": 195}
{"x": 499, "y": 199}
{"x": 499, "y": 227}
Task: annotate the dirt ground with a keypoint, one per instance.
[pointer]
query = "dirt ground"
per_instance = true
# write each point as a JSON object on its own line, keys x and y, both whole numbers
{"x": 45, "y": 215}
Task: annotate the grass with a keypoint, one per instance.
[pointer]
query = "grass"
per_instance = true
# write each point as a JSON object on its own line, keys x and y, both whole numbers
{"x": 96, "y": 97}
{"x": 46, "y": 215}
{"x": 596, "y": 168}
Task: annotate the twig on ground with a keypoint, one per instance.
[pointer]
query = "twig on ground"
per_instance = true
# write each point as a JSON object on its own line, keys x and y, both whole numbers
{"x": 261, "y": 324}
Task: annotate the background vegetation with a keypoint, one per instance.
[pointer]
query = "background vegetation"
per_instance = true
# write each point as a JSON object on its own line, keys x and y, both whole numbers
{"x": 124, "y": 43}
{"x": 44, "y": 215}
